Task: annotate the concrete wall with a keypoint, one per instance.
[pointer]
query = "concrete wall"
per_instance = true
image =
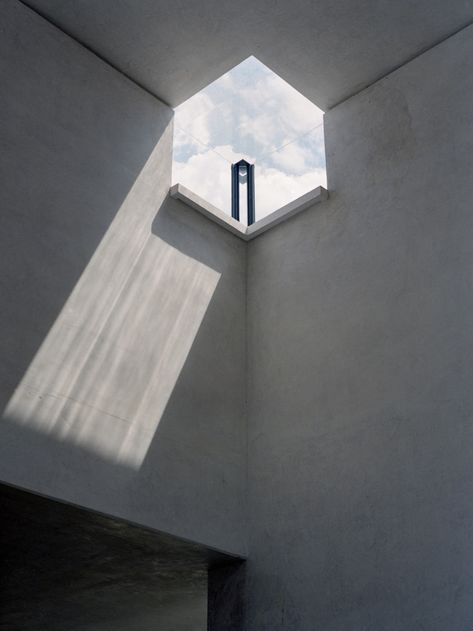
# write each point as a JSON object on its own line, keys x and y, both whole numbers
{"x": 361, "y": 356}
{"x": 122, "y": 317}
{"x": 123, "y": 338}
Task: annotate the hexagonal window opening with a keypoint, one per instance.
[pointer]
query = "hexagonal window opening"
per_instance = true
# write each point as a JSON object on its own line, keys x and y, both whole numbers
{"x": 250, "y": 114}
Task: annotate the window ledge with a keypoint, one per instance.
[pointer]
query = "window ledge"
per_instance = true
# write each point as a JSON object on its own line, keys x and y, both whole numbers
{"x": 213, "y": 213}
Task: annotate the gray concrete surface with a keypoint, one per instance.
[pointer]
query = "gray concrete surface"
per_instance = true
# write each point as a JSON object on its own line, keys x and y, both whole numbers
{"x": 330, "y": 49}
{"x": 361, "y": 363}
{"x": 124, "y": 347}
{"x": 67, "y": 569}
{"x": 123, "y": 333}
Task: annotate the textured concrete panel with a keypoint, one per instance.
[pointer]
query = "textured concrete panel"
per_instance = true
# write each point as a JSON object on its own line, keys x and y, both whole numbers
{"x": 361, "y": 359}
{"x": 325, "y": 49}
{"x": 121, "y": 384}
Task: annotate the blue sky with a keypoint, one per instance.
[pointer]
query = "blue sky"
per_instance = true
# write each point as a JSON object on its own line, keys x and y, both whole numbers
{"x": 249, "y": 113}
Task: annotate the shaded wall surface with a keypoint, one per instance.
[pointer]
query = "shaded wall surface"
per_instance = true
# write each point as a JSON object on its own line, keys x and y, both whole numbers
{"x": 68, "y": 569}
{"x": 361, "y": 359}
{"x": 121, "y": 382}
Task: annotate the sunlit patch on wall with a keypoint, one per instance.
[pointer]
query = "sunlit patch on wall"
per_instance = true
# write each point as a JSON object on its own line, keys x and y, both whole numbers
{"x": 250, "y": 113}
{"x": 105, "y": 372}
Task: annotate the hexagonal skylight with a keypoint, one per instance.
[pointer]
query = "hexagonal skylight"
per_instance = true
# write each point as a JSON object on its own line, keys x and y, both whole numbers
{"x": 250, "y": 113}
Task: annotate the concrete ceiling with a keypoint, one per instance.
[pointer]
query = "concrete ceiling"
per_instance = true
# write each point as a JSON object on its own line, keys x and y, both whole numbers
{"x": 327, "y": 49}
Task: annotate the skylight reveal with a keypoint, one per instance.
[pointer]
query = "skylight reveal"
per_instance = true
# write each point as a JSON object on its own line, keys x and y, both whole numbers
{"x": 249, "y": 113}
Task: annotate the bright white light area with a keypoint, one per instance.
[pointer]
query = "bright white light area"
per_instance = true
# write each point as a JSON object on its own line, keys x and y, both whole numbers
{"x": 249, "y": 113}
{"x": 105, "y": 372}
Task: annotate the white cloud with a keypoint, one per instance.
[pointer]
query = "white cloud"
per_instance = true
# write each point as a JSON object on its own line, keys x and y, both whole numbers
{"x": 276, "y": 188}
{"x": 249, "y": 112}
{"x": 191, "y": 117}
{"x": 292, "y": 114}
{"x": 199, "y": 105}
{"x": 292, "y": 158}
{"x": 183, "y": 142}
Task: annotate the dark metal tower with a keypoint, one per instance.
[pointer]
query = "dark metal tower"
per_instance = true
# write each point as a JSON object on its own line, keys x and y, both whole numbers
{"x": 243, "y": 173}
